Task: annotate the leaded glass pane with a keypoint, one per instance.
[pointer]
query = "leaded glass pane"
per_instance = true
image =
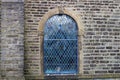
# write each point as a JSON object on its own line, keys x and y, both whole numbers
{"x": 60, "y": 45}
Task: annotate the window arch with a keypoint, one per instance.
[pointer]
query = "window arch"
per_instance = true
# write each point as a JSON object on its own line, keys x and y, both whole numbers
{"x": 61, "y": 34}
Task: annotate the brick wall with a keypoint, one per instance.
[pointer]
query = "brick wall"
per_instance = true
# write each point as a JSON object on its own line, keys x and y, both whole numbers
{"x": 12, "y": 40}
{"x": 102, "y": 37}
{"x": 32, "y": 49}
{"x": 101, "y": 43}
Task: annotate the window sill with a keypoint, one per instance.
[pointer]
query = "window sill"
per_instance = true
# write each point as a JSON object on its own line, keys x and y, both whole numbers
{"x": 61, "y": 77}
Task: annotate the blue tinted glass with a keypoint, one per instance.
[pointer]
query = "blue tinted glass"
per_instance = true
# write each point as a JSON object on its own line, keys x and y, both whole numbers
{"x": 60, "y": 45}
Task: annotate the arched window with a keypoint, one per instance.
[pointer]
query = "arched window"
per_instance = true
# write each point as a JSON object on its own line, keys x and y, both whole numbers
{"x": 60, "y": 53}
{"x": 61, "y": 33}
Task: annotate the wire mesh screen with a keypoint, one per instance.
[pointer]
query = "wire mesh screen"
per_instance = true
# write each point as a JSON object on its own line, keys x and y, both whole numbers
{"x": 60, "y": 45}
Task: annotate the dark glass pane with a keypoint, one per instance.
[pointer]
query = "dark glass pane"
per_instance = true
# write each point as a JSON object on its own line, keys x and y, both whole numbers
{"x": 60, "y": 45}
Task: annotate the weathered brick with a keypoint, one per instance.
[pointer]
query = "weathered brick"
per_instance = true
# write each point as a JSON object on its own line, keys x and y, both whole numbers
{"x": 100, "y": 42}
{"x": 12, "y": 29}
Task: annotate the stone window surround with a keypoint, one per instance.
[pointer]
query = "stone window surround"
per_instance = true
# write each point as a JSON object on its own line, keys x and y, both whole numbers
{"x": 61, "y": 10}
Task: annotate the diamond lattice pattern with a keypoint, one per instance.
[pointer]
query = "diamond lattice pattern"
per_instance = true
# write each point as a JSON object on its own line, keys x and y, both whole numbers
{"x": 60, "y": 45}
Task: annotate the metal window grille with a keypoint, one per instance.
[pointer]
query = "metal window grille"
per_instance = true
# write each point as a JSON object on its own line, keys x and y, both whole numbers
{"x": 60, "y": 45}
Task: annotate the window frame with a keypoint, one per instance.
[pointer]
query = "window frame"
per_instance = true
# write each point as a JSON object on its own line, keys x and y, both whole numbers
{"x": 64, "y": 29}
{"x": 77, "y": 18}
